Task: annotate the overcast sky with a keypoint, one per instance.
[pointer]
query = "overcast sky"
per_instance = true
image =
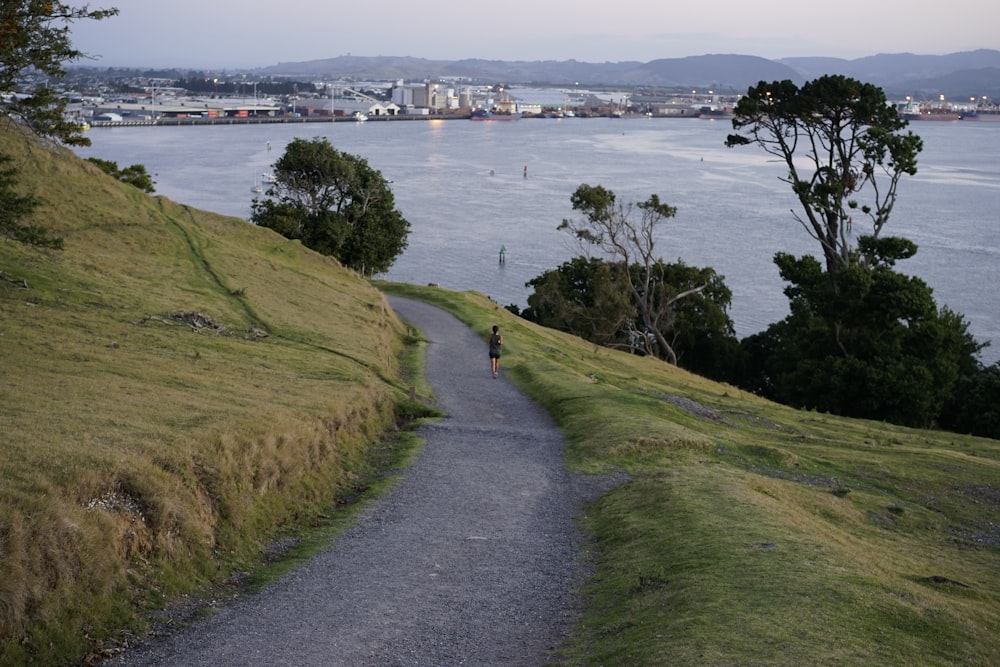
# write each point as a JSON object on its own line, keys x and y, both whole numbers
{"x": 253, "y": 33}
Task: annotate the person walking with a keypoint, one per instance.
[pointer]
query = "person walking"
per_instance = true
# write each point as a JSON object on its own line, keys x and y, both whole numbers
{"x": 496, "y": 341}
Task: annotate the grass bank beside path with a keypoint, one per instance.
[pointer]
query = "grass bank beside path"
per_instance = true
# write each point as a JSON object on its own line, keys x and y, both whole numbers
{"x": 754, "y": 534}
{"x": 177, "y": 390}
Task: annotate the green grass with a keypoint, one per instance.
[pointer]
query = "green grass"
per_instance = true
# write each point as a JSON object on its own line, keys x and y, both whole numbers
{"x": 750, "y": 533}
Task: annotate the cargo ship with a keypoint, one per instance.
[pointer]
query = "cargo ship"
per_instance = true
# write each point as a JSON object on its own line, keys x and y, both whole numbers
{"x": 982, "y": 115}
{"x": 486, "y": 114}
{"x": 921, "y": 112}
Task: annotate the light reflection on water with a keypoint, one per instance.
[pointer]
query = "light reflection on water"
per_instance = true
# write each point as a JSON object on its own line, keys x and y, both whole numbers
{"x": 462, "y": 186}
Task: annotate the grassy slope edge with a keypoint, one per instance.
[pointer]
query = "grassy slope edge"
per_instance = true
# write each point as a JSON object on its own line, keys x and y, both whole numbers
{"x": 754, "y": 534}
{"x": 177, "y": 387}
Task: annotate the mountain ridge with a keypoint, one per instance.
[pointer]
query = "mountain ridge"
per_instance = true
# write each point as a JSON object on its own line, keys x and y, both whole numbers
{"x": 961, "y": 74}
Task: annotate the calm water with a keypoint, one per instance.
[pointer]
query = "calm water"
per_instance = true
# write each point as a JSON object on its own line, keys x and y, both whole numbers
{"x": 463, "y": 187}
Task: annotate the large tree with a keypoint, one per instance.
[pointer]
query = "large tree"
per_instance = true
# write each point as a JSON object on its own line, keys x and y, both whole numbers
{"x": 845, "y": 149}
{"x": 35, "y": 45}
{"x": 626, "y": 233}
{"x": 336, "y": 204}
{"x": 861, "y": 340}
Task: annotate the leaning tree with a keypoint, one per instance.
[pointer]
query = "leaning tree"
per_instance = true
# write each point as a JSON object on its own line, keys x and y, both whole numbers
{"x": 845, "y": 149}
{"x": 627, "y": 234}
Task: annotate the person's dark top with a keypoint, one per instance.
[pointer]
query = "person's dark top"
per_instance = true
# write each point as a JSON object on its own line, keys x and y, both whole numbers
{"x": 495, "y": 343}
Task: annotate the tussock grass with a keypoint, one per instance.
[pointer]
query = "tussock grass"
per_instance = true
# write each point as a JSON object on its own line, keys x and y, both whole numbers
{"x": 752, "y": 534}
{"x": 178, "y": 389}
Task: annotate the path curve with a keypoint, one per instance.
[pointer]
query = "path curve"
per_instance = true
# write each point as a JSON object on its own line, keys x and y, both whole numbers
{"x": 472, "y": 559}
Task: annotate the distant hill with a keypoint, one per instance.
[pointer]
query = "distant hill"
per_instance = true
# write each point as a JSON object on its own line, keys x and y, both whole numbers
{"x": 718, "y": 72}
{"x": 956, "y": 75}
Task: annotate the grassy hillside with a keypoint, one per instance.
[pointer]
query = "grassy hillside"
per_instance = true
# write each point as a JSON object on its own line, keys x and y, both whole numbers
{"x": 753, "y": 534}
{"x": 176, "y": 387}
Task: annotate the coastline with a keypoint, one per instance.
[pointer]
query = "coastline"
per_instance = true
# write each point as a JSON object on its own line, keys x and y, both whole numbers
{"x": 264, "y": 120}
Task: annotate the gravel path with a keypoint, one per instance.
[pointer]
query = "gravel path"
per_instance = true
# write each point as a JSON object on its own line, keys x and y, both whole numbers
{"x": 472, "y": 559}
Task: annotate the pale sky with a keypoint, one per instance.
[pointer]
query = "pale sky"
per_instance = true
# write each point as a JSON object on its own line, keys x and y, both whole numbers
{"x": 255, "y": 33}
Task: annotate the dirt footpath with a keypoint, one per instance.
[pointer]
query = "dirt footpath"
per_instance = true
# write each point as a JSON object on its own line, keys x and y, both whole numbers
{"x": 472, "y": 559}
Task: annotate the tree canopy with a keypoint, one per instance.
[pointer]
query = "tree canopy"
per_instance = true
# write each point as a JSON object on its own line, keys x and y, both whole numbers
{"x": 336, "y": 204}
{"x": 135, "y": 174}
{"x": 35, "y": 40}
{"x": 870, "y": 342}
{"x": 591, "y": 298}
{"x": 974, "y": 407}
{"x": 845, "y": 149}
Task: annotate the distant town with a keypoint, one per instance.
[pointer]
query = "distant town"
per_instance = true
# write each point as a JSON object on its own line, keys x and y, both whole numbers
{"x": 101, "y": 98}
{"x": 167, "y": 100}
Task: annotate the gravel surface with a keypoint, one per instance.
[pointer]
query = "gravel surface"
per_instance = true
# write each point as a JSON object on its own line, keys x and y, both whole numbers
{"x": 472, "y": 559}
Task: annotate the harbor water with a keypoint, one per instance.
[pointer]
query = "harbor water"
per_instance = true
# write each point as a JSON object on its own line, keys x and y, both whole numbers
{"x": 470, "y": 188}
